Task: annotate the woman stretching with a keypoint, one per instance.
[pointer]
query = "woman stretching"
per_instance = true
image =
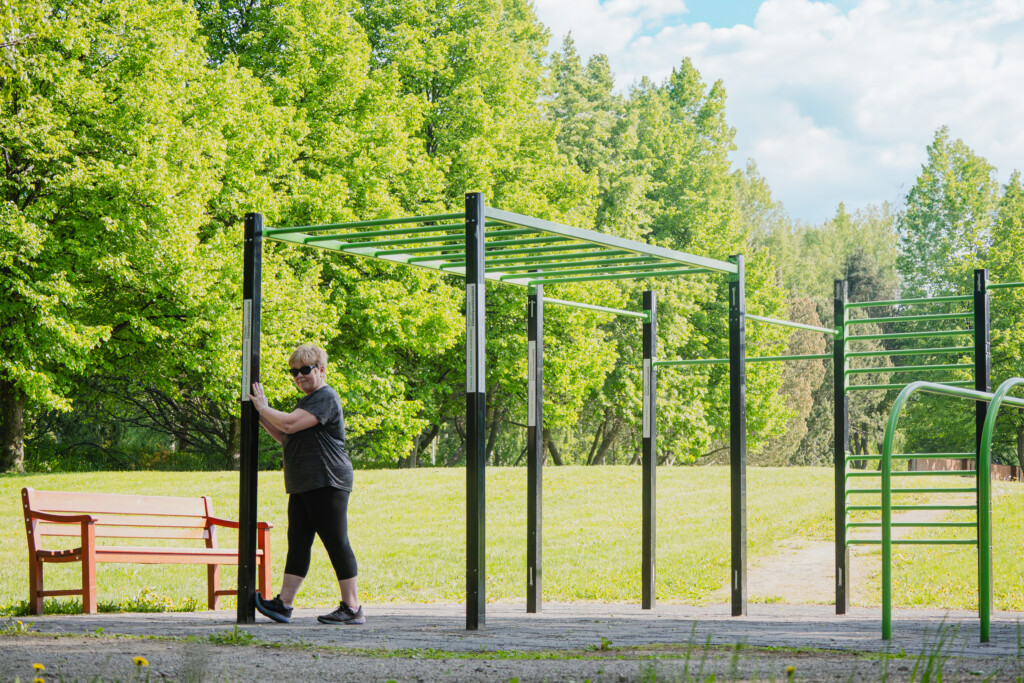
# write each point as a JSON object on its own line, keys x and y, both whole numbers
{"x": 318, "y": 480}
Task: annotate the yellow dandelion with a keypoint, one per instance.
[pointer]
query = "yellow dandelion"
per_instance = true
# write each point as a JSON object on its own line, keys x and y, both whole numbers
{"x": 38, "y": 667}
{"x": 140, "y": 661}
{"x": 38, "y": 680}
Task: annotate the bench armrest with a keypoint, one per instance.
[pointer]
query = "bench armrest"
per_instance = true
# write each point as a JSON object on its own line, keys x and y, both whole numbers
{"x": 61, "y": 519}
{"x": 217, "y": 521}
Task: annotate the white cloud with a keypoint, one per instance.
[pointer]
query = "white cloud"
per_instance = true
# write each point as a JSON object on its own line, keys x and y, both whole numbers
{"x": 832, "y": 106}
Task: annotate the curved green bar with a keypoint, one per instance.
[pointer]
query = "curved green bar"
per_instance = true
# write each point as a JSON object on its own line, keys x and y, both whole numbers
{"x": 985, "y": 505}
{"x": 984, "y": 508}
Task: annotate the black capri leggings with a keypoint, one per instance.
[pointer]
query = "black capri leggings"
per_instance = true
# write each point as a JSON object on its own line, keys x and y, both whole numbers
{"x": 323, "y": 512}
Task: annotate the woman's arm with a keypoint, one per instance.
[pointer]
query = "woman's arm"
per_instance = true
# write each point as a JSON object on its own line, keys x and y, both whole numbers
{"x": 274, "y": 432}
{"x": 281, "y": 422}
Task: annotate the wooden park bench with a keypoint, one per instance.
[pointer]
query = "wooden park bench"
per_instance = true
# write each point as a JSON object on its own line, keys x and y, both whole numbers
{"x": 93, "y": 516}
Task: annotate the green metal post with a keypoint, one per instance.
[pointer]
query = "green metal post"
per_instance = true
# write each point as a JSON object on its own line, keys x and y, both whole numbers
{"x": 248, "y": 465}
{"x": 841, "y": 445}
{"x": 650, "y": 449}
{"x": 476, "y": 412}
{"x": 738, "y": 437}
{"x": 982, "y": 463}
{"x": 534, "y": 448}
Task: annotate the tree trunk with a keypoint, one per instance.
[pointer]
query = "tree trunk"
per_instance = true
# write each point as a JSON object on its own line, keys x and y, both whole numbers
{"x": 594, "y": 444}
{"x": 556, "y": 457}
{"x": 233, "y": 452}
{"x": 492, "y": 437}
{"x": 12, "y": 428}
{"x": 462, "y": 446}
{"x": 606, "y": 443}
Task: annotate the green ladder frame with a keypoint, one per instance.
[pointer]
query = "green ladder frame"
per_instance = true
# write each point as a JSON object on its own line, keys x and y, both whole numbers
{"x": 983, "y": 508}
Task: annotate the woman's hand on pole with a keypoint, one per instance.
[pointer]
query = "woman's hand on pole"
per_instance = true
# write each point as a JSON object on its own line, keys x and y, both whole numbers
{"x": 258, "y": 398}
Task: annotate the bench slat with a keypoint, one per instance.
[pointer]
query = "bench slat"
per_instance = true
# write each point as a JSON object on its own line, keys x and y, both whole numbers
{"x": 140, "y": 521}
{"x": 140, "y": 555}
{"x": 44, "y": 529}
{"x": 115, "y": 503}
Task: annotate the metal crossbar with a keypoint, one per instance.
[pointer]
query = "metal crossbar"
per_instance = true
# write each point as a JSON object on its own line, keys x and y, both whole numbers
{"x": 909, "y": 352}
{"x": 912, "y": 318}
{"x": 909, "y": 456}
{"x": 555, "y": 253}
{"x": 904, "y": 302}
{"x": 911, "y": 335}
{"x": 910, "y": 368}
{"x": 275, "y": 232}
{"x": 592, "y": 307}
{"x": 890, "y": 387}
{"x": 788, "y": 323}
{"x": 756, "y": 359}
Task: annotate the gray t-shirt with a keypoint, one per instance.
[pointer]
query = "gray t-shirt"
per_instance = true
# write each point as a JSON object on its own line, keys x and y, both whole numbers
{"x": 317, "y": 457}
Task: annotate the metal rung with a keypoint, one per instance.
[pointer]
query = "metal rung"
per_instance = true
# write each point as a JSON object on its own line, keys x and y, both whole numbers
{"x": 902, "y": 541}
{"x": 918, "y": 473}
{"x": 890, "y": 387}
{"x": 876, "y": 508}
{"x": 914, "y": 524}
{"x": 910, "y": 456}
{"x": 931, "y": 490}
{"x": 937, "y": 541}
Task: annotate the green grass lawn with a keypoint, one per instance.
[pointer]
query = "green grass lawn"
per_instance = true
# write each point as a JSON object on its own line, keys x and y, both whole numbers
{"x": 408, "y": 531}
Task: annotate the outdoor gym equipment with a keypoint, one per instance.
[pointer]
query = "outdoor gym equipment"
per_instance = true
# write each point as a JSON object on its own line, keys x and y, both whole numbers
{"x": 530, "y": 252}
{"x": 983, "y": 508}
{"x": 519, "y": 250}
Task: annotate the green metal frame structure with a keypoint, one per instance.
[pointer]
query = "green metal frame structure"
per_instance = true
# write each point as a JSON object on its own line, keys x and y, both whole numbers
{"x": 482, "y": 244}
{"x": 983, "y": 488}
{"x": 843, "y": 373}
{"x": 487, "y": 244}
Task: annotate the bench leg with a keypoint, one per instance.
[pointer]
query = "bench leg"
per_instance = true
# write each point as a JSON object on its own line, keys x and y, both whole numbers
{"x": 265, "y": 565}
{"x": 212, "y": 586}
{"x": 35, "y": 586}
{"x": 88, "y": 569}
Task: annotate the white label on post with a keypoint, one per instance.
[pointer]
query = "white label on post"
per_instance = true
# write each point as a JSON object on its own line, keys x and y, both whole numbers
{"x": 246, "y": 347}
{"x": 647, "y": 398}
{"x": 481, "y": 355}
{"x": 531, "y": 417}
{"x": 471, "y": 337}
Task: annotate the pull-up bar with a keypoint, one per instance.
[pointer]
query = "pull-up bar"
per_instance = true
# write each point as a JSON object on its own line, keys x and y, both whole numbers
{"x": 756, "y": 359}
{"x": 643, "y": 315}
{"x": 788, "y": 323}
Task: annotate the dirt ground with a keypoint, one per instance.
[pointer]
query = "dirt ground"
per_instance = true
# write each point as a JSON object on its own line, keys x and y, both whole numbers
{"x": 111, "y": 659}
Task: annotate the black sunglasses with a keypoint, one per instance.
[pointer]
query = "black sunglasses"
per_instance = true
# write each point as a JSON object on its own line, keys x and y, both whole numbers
{"x": 305, "y": 370}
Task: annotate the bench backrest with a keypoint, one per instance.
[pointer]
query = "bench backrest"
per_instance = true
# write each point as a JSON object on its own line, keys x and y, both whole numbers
{"x": 122, "y": 516}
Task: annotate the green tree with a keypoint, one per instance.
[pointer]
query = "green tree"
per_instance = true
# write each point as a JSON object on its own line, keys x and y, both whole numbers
{"x": 107, "y": 159}
{"x": 945, "y": 228}
{"x": 1006, "y": 264}
{"x": 799, "y": 379}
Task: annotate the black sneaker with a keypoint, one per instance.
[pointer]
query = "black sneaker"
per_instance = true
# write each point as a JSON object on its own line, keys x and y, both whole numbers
{"x": 343, "y": 615}
{"x": 274, "y": 609}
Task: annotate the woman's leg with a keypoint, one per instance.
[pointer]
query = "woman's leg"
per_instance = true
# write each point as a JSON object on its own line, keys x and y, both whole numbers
{"x": 331, "y": 506}
{"x": 301, "y": 532}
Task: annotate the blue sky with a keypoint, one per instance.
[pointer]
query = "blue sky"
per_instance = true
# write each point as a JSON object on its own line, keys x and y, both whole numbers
{"x": 835, "y": 101}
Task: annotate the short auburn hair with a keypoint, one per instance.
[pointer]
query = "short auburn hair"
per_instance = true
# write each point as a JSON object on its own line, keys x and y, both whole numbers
{"x": 309, "y": 354}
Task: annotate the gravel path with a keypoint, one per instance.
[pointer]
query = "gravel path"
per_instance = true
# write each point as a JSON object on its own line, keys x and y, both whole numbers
{"x": 566, "y": 642}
